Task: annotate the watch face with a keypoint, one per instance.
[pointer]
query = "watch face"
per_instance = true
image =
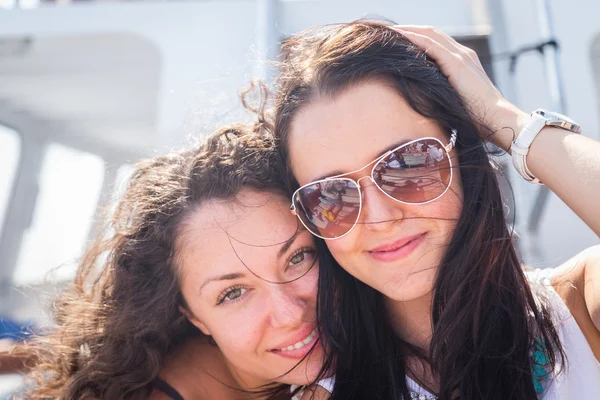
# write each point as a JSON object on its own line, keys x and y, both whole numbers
{"x": 559, "y": 120}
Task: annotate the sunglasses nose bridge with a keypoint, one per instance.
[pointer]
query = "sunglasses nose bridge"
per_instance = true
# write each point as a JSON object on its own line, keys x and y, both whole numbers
{"x": 367, "y": 177}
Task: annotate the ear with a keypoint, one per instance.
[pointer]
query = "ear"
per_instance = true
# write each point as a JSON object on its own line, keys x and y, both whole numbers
{"x": 194, "y": 320}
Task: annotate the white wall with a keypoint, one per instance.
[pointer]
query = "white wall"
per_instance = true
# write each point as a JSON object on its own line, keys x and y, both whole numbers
{"x": 206, "y": 47}
{"x": 209, "y": 51}
{"x": 299, "y": 15}
{"x": 206, "y": 54}
{"x": 576, "y": 24}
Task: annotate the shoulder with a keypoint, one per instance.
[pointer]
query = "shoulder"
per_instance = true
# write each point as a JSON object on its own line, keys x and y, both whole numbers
{"x": 588, "y": 257}
{"x": 568, "y": 280}
{"x": 572, "y": 279}
{"x": 577, "y": 282}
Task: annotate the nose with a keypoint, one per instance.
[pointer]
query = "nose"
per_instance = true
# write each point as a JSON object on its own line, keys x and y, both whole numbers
{"x": 288, "y": 306}
{"x": 379, "y": 212}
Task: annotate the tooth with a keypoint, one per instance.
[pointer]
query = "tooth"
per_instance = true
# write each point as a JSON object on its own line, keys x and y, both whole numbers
{"x": 301, "y": 343}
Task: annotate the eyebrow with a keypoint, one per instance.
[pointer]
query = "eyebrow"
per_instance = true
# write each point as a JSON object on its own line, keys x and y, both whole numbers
{"x": 229, "y": 277}
{"x": 226, "y": 277}
{"x": 338, "y": 172}
{"x": 288, "y": 243}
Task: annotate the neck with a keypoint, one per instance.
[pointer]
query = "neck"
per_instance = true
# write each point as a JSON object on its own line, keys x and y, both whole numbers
{"x": 198, "y": 367}
{"x": 245, "y": 382}
{"x": 411, "y": 320}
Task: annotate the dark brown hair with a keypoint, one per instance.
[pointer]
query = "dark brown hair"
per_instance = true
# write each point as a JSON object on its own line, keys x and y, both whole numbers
{"x": 486, "y": 323}
{"x": 121, "y": 316}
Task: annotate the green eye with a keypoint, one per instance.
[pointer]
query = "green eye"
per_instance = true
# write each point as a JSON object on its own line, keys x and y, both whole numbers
{"x": 235, "y": 294}
{"x": 298, "y": 258}
{"x": 231, "y": 295}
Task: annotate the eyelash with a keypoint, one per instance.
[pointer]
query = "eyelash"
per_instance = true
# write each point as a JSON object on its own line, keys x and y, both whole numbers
{"x": 306, "y": 249}
{"x": 223, "y": 296}
{"x": 226, "y": 292}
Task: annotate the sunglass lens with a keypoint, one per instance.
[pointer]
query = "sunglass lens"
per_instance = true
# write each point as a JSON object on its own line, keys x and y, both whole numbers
{"x": 328, "y": 208}
{"x": 415, "y": 173}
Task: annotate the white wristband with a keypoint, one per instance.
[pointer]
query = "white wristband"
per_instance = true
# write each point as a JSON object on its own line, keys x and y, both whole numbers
{"x": 537, "y": 121}
{"x": 520, "y": 146}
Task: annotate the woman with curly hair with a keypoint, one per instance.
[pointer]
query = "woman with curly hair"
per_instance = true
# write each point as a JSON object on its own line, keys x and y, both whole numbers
{"x": 203, "y": 286}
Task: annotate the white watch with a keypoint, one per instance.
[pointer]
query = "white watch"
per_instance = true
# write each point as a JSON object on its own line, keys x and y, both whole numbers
{"x": 538, "y": 120}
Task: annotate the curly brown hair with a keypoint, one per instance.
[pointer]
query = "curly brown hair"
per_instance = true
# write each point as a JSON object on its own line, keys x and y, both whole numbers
{"x": 121, "y": 315}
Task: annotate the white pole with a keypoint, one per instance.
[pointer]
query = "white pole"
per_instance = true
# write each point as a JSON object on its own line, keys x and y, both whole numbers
{"x": 553, "y": 75}
{"x": 267, "y": 37}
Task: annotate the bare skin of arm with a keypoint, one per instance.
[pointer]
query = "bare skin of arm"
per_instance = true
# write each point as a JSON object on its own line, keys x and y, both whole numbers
{"x": 565, "y": 162}
{"x": 577, "y": 282}
{"x": 11, "y": 363}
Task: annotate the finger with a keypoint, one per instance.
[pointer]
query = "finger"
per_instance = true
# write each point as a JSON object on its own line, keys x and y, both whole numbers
{"x": 433, "y": 33}
{"x": 445, "y": 58}
{"x": 446, "y": 40}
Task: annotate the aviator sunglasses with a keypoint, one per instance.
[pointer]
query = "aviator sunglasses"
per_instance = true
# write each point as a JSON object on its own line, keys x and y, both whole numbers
{"x": 416, "y": 172}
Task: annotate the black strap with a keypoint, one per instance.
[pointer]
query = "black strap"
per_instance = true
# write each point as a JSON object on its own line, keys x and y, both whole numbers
{"x": 167, "y": 389}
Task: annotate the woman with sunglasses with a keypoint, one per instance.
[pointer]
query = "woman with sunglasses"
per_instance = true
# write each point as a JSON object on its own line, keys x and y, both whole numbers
{"x": 431, "y": 301}
{"x": 202, "y": 287}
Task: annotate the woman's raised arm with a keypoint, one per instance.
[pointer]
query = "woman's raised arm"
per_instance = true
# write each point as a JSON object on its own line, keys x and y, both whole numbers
{"x": 569, "y": 164}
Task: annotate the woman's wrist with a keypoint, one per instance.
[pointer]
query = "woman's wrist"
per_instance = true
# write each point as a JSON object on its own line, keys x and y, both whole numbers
{"x": 507, "y": 123}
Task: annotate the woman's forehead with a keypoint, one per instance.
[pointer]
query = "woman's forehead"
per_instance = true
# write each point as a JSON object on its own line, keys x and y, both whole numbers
{"x": 341, "y": 134}
{"x": 253, "y": 217}
{"x": 223, "y": 236}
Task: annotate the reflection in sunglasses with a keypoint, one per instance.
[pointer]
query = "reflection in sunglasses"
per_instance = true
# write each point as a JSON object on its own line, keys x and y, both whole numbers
{"x": 415, "y": 173}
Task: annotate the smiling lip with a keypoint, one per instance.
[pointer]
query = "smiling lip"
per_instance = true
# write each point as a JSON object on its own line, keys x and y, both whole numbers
{"x": 299, "y": 353}
{"x": 398, "y": 249}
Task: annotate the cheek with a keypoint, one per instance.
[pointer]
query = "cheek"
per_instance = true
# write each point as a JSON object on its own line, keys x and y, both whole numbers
{"x": 439, "y": 217}
{"x": 443, "y": 214}
{"x": 346, "y": 251}
{"x": 455, "y": 192}
{"x": 238, "y": 332}
{"x": 308, "y": 285}
{"x": 442, "y": 219}
{"x": 235, "y": 327}
{"x": 450, "y": 206}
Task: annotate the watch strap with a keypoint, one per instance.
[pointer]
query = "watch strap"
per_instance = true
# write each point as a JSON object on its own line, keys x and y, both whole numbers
{"x": 520, "y": 146}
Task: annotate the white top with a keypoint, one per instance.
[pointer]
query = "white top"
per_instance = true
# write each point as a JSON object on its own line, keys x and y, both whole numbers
{"x": 578, "y": 380}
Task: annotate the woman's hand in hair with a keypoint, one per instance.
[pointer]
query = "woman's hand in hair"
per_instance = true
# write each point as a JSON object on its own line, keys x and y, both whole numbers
{"x": 465, "y": 73}
{"x": 566, "y": 163}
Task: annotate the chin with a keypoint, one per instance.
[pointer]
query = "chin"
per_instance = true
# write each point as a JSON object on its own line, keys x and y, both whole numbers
{"x": 307, "y": 372}
{"x": 409, "y": 288}
{"x": 406, "y": 296}
{"x": 301, "y": 379}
